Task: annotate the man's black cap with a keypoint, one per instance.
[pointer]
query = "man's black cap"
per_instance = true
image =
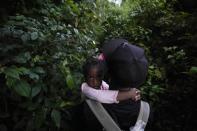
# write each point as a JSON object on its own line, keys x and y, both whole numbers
{"x": 127, "y": 63}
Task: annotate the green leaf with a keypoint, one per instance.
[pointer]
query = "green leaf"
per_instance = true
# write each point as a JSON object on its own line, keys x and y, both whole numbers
{"x": 34, "y": 35}
{"x": 56, "y": 117}
{"x": 158, "y": 73}
{"x": 12, "y": 72}
{"x": 76, "y": 31}
{"x": 70, "y": 81}
{"x": 39, "y": 70}
{"x": 25, "y": 37}
{"x": 23, "y": 88}
{"x": 23, "y": 57}
{"x": 39, "y": 118}
{"x": 29, "y": 72}
{"x": 66, "y": 103}
{"x": 24, "y": 71}
{"x": 34, "y": 76}
{"x": 20, "y": 17}
{"x": 151, "y": 67}
{"x": 10, "y": 82}
{"x": 170, "y": 56}
{"x": 193, "y": 70}
{"x": 35, "y": 90}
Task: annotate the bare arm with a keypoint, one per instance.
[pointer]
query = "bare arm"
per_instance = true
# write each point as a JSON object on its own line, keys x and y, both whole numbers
{"x": 133, "y": 94}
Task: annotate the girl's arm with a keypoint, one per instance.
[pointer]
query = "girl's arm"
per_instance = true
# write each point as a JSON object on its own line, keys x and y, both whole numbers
{"x": 109, "y": 96}
{"x": 103, "y": 96}
{"x": 133, "y": 94}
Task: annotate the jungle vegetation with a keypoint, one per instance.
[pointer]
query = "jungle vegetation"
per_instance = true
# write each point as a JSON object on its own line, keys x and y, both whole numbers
{"x": 43, "y": 44}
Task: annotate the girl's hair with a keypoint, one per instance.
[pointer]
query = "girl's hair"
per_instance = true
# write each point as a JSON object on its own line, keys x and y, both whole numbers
{"x": 94, "y": 63}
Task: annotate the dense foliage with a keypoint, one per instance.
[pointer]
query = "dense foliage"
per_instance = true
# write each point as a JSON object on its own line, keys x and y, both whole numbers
{"x": 44, "y": 43}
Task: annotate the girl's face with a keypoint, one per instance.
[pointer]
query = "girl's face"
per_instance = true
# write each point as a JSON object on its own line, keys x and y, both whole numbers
{"x": 93, "y": 79}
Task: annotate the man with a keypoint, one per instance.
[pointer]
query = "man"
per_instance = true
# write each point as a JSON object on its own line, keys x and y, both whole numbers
{"x": 127, "y": 68}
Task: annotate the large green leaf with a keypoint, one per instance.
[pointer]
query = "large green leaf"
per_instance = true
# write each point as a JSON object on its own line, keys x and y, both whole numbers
{"x": 12, "y": 72}
{"x": 26, "y": 71}
{"x": 56, "y": 117}
{"x": 23, "y": 88}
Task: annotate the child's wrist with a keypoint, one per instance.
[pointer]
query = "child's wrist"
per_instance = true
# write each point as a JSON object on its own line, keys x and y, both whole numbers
{"x": 132, "y": 93}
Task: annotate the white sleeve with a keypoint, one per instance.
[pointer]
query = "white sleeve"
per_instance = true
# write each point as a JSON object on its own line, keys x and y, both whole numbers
{"x": 105, "y": 85}
{"x": 103, "y": 96}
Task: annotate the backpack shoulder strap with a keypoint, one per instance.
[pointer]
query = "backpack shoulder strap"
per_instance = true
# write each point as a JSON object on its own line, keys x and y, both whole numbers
{"x": 102, "y": 115}
{"x": 144, "y": 112}
{"x": 106, "y": 120}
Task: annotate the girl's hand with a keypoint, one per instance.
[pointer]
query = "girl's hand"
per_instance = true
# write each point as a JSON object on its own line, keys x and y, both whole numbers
{"x": 135, "y": 94}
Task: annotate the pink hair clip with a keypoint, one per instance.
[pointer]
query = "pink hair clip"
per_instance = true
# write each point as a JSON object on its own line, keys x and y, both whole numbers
{"x": 101, "y": 57}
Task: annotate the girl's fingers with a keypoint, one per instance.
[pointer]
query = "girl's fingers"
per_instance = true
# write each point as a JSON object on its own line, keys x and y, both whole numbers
{"x": 137, "y": 91}
{"x": 138, "y": 97}
{"x": 136, "y": 94}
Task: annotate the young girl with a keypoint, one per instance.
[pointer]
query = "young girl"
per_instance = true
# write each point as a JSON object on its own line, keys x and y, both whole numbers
{"x": 95, "y": 88}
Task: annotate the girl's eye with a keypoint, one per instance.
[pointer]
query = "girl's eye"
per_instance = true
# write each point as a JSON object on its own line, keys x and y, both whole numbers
{"x": 92, "y": 77}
